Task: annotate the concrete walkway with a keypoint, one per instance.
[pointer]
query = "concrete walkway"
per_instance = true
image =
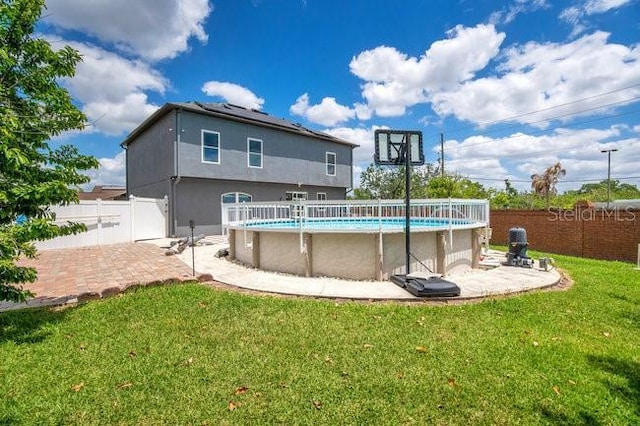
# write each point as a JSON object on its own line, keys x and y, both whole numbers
{"x": 77, "y": 275}
{"x": 473, "y": 283}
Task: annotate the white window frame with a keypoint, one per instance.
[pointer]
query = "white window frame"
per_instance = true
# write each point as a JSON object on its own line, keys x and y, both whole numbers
{"x": 297, "y": 195}
{"x": 236, "y": 199}
{"x": 334, "y": 163}
{"x": 321, "y": 196}
{"x": 202, "y": 147}
{"x": 236, "y": 195}
{"x": 249, "y": 153}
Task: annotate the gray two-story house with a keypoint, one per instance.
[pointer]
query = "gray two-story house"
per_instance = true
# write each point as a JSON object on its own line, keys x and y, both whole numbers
{"x": 203, "y": 155}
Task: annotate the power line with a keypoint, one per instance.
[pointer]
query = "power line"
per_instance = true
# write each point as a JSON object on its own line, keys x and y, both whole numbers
{"x": 538, "y": 132}
{"x": 559, "y": 182}
{"x": 542, "y": 131}
{"x": 511, "y": 118}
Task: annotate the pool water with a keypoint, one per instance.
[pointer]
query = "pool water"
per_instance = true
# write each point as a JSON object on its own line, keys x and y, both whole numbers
{"x": 357, "y": 223}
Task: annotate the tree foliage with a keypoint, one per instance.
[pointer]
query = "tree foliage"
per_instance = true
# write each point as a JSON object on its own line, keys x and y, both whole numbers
{"x": 33, "y": 109}
{"x": 455, "y": 186}
{"x": 598, "y": 191}
{"x": 387, "y": 182}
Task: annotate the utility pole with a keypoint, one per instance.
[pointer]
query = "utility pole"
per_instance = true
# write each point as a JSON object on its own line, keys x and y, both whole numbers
{"x": 608, "y": 151}
{"x": 442, "y": 154}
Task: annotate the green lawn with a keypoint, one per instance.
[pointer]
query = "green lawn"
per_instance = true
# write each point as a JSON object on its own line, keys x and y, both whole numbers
{"x": 192, "y": 354}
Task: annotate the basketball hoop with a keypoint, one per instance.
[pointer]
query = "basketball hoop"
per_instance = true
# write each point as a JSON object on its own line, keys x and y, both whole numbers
{"x": 391, "y": 147}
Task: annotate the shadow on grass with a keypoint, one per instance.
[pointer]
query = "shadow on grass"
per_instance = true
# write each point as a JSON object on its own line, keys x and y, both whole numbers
{"x": 625, "y": 369}
{"x": 627, "y": 390}
{"x": 28, "y": 325}
{"x": 557, "y": 417}
{"x": 7, "y": 419}
{"x": 624, "y": 298}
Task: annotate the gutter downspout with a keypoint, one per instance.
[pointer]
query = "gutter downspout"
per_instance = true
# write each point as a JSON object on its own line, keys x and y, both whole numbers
{"x": 175, "y": 180}
{"x": 126, "y": 170}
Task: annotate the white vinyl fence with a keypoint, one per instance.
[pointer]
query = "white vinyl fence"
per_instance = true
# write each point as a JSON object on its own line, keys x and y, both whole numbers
{"x": 111, "y": 222}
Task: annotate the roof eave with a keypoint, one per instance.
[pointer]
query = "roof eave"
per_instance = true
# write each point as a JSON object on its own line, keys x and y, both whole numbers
{"x": 169, "y": 106}
{"x": 159, "y": 113}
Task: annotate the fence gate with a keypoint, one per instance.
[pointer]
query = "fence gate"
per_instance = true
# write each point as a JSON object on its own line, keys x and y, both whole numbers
{"x": 111, "y": 222}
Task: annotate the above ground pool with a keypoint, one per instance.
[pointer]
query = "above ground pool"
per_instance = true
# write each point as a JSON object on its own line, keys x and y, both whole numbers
{"x": 365, "y": 224}
{"x": 309, "y": 240}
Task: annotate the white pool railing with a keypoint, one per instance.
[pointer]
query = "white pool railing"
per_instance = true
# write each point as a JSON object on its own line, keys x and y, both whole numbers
{"x": 473, "y": 211}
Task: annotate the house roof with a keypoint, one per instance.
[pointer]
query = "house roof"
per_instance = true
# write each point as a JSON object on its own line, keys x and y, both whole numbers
{"x": 235, "y": 113}
{"x": 104, "y": 192}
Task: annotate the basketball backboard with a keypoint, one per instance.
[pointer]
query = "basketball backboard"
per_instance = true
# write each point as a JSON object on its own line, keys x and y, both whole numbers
{"x": 391, "y": 146}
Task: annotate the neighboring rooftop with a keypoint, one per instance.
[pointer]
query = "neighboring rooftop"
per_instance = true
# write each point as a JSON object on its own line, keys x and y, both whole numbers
{"x": 619, "y": 204}
{"x": 104, "y": 192}
{"x": 236, "y": 113}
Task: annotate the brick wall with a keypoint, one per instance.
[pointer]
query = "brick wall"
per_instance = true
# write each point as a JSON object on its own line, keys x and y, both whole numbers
{"x": 584, "y": 232}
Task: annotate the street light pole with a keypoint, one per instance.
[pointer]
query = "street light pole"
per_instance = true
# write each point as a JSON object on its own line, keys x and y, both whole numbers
{"x": 608, "y": 151}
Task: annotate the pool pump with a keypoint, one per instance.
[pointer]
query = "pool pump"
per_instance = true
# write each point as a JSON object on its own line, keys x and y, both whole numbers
{"x": 517, "y": 255}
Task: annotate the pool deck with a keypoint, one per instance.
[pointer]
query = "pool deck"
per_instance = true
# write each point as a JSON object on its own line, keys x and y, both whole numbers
{"x": 71, "y": 276}
{"x": 473, "y": 284}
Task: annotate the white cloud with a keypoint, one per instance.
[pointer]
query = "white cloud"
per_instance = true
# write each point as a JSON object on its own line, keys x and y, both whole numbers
{"x": 360, "y": 136}
{"x": 510, "y": 11}
{"x": 113, "y": 104}
{"x": 593, "y": 7}
{"x": 395, "y": 81}
{"x": 152, "y": 29}
{"x": 110, "y": 172}
{"x": 362, "y": 155}
{"x": 575, "y": 15}
{"x": 549, "y": 78}
{"x": 115, "y": 118}
{"x": 233, "y": 93}
{"x": 523, "y": 154}
{"x": 327, "y": 113}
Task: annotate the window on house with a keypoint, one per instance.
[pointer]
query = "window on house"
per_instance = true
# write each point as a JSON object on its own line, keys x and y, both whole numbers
{"x": 254, "y": 153}
{"x": 331, "y": 163}
{"x": 321, "y": 196}
{"x": 236, "y": 197}
{"x": 210, "y": 147}
{"x": 295, "y": 196}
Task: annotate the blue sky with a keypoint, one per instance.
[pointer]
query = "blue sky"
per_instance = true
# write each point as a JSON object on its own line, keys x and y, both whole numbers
{"x": 514, "y": 86}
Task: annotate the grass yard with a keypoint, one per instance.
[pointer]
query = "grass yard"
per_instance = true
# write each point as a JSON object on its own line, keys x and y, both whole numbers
{"x": 192, "y": 354}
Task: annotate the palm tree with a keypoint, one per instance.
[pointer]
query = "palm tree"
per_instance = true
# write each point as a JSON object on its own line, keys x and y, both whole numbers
{"x": 545, "y": 184}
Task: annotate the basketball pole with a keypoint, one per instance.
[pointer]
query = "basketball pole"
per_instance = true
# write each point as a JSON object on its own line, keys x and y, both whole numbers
{"x": 407, "y": 203}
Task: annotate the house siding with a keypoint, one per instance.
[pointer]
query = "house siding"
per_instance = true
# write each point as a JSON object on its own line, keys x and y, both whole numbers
{"x": 287, "y": 158}
{"x": 200, "y": 200}
{"x": 150, "y": 160}
{"x": 290, "y": 162}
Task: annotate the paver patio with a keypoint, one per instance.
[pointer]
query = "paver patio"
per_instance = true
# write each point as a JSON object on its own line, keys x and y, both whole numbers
{"x": 93, "y": 272}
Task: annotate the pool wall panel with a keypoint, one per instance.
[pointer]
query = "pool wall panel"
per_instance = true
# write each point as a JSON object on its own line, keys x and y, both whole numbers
{"x": 356, "y": 255}
{"x": 459, "y": 255}
{"x": 243, "y": 248}
{"x": 423, "y": 246}
{"x": 280, "y": 251}
{"x": 351, "y": 256}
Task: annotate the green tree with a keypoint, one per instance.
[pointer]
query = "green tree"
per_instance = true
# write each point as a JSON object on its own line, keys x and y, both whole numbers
{"x": 545, "y": 184}
{"x": 33, "y": 109}
{"x": 508, "y": 198}
{"x": 598, "y": 191}
{"x": 387, "y": 182}
{"x": 455, "y": 186}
